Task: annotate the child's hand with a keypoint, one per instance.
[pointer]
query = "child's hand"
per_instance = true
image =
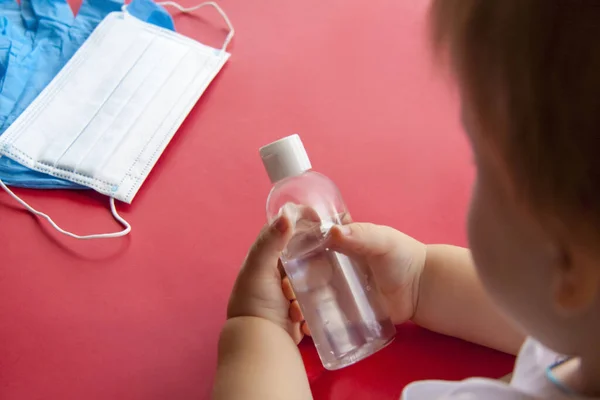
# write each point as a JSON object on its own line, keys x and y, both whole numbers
{"x": 258, "y": 289}
{"x": 395, "y": 259}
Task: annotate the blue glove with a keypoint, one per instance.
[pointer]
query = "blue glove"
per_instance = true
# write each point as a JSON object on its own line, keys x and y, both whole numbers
{"x": 37, "y": 38}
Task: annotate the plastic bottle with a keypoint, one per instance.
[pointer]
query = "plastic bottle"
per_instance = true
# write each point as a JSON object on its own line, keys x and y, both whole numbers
{"x": 338, "y": 297}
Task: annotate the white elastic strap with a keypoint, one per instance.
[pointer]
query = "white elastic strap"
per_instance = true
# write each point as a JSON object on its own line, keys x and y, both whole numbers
{"x": 113, "y": 209}
{"x": 196, "y": 7}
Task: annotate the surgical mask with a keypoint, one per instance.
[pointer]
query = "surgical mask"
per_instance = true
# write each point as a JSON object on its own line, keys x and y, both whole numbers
{"x": 106, "y": 118}
{"x": 37, "y": 38}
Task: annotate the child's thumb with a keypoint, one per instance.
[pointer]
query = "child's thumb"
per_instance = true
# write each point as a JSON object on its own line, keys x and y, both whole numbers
{"x": 363, "y": 239}
{"x": 267, "y": 248}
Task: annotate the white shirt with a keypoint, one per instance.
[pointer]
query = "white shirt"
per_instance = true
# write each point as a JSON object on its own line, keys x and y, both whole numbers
{"x": 529, "y": 382}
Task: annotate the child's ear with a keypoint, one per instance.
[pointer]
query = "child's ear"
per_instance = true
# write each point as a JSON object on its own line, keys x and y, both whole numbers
{"x": 576, "y": 282}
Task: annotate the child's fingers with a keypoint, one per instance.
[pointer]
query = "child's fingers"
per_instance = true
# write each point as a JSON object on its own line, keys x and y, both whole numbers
{"x": 281, "y": 269}
{"x": 305, "y": 328}
{"x": 296, "y": 332}
{"x": 363, "y": 239}
{"x": 297, "y": 212}
{"x": 297, "y": 317}
{"x": 296, "y": 312}
{"x": 288, "y": 291}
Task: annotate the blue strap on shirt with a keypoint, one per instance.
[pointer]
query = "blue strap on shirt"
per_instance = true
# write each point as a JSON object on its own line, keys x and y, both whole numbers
{"x": 555, "y": 381}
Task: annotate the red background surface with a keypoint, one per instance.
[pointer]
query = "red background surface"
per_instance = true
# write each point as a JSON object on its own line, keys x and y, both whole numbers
{"x": 139, "y": 317}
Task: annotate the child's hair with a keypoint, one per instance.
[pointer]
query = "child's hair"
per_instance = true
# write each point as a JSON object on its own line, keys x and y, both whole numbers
{"x": 530, "y": 70}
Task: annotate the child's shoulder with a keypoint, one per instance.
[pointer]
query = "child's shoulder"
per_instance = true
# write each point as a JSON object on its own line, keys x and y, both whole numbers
{"x": 469, "y": 389}
{"x": 529, "y": 381}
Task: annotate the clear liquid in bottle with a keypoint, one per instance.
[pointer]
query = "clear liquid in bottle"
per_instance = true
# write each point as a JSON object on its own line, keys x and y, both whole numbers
{"x": 338, "y": 297}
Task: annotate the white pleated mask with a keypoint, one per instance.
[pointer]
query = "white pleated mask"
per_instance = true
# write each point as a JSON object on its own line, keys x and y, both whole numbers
{"x": 106, "y": 118}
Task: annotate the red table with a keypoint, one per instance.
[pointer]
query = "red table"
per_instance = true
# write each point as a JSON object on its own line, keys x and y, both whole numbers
{"x": 139, "y": 317}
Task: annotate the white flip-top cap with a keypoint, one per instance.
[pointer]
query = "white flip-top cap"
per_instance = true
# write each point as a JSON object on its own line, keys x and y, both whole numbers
{"x": 284, "y": 158}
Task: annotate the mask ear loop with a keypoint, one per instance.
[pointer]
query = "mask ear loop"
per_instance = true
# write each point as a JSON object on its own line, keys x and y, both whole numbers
{"x": 40, "y": 214}
{"x": 198, "y": 6}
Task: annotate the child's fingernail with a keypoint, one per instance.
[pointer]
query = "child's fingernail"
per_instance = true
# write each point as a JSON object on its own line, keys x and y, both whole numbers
{"x": 345, "y": 230}
{"x": 280, "y": 224}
